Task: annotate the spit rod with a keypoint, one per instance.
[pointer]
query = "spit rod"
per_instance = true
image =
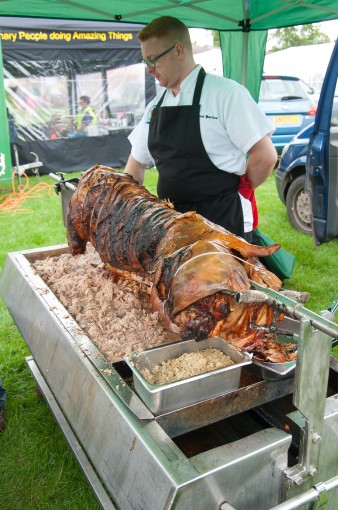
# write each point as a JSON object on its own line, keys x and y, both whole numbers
{"x": 67, "y": 185}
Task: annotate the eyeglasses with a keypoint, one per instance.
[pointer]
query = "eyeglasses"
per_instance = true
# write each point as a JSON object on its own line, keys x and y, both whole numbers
{"x": 151, "y": 62}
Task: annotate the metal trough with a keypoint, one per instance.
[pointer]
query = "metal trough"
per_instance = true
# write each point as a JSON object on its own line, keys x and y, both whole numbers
{"x": 147, "y": 462}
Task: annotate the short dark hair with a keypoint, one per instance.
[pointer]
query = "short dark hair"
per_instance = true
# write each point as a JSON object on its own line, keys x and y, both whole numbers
{"x": 86, "y": 99}
{"x": 166, "y": 27}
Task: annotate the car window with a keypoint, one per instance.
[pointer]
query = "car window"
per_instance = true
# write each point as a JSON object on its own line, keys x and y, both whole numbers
{"x": 278, "y": 89}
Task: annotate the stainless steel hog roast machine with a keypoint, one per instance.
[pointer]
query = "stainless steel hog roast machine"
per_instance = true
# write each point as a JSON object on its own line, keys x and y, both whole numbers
{"x": 254, "y": 435}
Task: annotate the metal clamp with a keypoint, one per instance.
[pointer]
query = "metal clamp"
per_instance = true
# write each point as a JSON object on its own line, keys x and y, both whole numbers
{"x": 60, "y": 178}
{"x": 333, "y": 307}
{"x": 323, "y": 497}
{"x": 226, "y": 506}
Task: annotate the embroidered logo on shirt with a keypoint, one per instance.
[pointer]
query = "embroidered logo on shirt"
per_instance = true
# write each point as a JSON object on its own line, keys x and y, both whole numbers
{"x": 150, "y": 113}
{"x": 208, "y": 117}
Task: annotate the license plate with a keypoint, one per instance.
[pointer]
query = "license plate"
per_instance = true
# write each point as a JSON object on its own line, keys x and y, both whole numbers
{"x": 286, "y": 119}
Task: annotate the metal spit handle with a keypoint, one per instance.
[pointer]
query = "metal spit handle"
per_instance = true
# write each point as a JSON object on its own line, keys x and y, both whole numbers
{"x": 256, "y": 296}
{"x": 296, "y": 310}
{"x": 67, "y": 185}
{"x": 333, "y": 307}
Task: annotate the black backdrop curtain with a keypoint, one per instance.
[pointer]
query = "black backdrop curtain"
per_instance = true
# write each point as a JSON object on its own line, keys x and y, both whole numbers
{"x": 49, "y": 65}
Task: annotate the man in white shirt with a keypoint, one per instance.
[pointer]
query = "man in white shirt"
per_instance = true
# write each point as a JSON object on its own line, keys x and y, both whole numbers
{"x": 202, "y": 133}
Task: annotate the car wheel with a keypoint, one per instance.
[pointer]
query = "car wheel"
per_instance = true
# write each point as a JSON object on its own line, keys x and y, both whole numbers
{"x": 298, "y": 205}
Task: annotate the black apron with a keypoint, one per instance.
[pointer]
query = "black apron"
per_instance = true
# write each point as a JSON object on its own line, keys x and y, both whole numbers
{"x": 187, "y": 176}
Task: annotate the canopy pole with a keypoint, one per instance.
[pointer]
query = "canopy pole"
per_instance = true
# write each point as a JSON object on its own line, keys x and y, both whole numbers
{"x": 246, "y": 27}
{"x": 5, "y": 152}
{"x": 245, "y": 51}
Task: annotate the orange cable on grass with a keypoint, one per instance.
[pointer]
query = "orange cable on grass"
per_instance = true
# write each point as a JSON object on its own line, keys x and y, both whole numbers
{"x": 12, "y": 203}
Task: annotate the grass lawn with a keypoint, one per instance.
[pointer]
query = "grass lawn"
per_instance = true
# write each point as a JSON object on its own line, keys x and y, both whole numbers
{"x": 37, "y": 470}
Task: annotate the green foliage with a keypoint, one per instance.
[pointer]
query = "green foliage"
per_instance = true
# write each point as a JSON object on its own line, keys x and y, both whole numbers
{"x": 314, "y": 271}
{"x": 216, "y": 38}
{"x": 37, "y": 469}
{"x": 298, "y": 36}
{"x": 151, "y": 180}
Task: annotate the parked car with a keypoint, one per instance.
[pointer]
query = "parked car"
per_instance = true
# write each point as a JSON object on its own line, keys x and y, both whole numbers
{"x": 307, "y": 174}
{"x": 287, "y": 101}
{"x": 290, "y": 180}
{"x": 322, "y": 158}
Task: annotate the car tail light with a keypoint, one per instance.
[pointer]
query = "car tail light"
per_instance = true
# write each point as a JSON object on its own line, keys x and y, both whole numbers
{"x": 313, "y": 110}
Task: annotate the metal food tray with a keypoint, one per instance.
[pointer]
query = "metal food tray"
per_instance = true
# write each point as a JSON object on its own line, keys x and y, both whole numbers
{"x": 169, "y": 397}
{"x": 278, "y": 371}
{"x": 274, "y": 371}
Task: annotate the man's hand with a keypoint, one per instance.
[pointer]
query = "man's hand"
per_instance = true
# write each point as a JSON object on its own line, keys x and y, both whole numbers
{"x": 136, "y": 169}
{"x": 261, "y": 162}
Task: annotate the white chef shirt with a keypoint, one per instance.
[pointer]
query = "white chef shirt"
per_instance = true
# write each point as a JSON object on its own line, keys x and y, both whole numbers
{"x": 231, "y": 122}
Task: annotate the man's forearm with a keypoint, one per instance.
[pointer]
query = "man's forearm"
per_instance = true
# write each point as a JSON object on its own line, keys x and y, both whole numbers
{"x": 257, "y": 172}
{"x": 136, "y": 169}
{"x": 262, "y": 159}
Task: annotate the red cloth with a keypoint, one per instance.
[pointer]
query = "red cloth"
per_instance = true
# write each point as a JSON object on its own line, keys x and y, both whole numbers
{"x": 247, "y": 192}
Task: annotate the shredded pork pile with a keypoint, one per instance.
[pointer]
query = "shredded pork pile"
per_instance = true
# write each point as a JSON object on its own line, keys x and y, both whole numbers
{"x": 116, "y": 315}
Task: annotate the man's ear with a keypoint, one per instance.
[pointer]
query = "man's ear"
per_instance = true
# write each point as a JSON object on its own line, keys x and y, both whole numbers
{"x": 179, "y": 48}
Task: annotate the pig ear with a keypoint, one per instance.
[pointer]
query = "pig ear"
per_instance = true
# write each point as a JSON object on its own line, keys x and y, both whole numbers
{"x": 238, "y": 244}
{"x": 258, "y": 273}
{"x": 250, "y": 250}
{"x": 223, "y": 237}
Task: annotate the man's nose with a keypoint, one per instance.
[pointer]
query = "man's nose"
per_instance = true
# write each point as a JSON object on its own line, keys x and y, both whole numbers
{"x": 150, "y": 70}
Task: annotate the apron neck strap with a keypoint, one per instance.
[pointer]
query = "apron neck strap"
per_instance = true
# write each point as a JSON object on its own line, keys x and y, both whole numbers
{"x": 198, "y": 87}
{"x": 161, "y": 100}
